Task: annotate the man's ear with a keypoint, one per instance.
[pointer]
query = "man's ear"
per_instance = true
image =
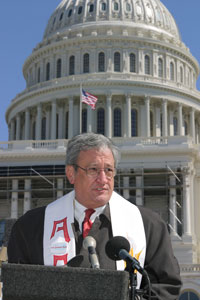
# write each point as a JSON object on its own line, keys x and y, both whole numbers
{"x": 70, "y": 173}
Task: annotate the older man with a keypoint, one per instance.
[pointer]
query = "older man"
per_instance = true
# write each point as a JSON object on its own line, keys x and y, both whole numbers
{"x": 54, "y": 235}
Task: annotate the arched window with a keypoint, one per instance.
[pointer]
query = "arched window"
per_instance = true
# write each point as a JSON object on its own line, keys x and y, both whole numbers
{"x": 160, "y": 67}
{"x": 71, "y": 65}
{"x": 38, "y": 75}
{"x": 101, "y": 62}
{"x": 134, "y": 122}
{"x": 171, "y": 71}
{"x": 117, "y": 122}
{"x": 58, "y": 68}
{"x": 132, "y": 63}
{"x": 185, "y": 127}
{"x": 84, "y": 120}
{"x": 61, "y": 16}
{"x": 175, "y": 123}
{"x": 80, "y": 9}
{"x": 91, "y": 8}
{"x": 189, "y": 295}
{"x": 181, "y": 74}
{"x": 69, "y": 13}
{"x": 117, "y": 62}
{"x": 116, "y": 6}
{"x": 86, "y": 62}
{"x": 147, "y": 65}
{"x": 103, "y": 6}
{"x": 43, "y": 135}
{"x": 48, "y": 71}
{"x": 128, "y": 7}
{"x": 101, "y": 121}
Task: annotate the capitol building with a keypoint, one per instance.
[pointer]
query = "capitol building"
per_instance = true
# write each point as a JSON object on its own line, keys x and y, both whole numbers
{"x": 130, "y": 55}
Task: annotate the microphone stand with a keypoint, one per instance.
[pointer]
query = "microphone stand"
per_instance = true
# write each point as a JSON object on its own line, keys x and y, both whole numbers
{"x": 133, "y": 284}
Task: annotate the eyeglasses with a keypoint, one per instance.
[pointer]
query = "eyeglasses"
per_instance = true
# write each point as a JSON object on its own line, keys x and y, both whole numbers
{"x": 93, "y": 172}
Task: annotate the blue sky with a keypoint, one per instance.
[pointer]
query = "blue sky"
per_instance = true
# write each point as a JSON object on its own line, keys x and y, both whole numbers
{"x": 22, "y": 25}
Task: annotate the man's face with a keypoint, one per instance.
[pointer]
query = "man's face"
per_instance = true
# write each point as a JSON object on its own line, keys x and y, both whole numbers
{"x": 92, "y": 192}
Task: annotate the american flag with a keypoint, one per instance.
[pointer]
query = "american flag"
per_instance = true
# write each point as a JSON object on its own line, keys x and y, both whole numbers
{"x": 88, "y": 98}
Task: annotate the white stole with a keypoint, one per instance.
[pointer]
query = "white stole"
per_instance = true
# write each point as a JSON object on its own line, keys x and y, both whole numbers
{"x": 59, "y": 242}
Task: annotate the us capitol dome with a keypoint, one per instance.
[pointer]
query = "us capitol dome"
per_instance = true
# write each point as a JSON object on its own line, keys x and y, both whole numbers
{"x": 131, "y": 56}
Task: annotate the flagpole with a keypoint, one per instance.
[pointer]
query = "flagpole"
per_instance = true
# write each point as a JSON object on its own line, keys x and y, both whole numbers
{"x": 80, "y": 117}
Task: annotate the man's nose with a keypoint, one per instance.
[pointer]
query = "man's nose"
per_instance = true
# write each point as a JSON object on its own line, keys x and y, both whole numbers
{"x": 102, "y": 176}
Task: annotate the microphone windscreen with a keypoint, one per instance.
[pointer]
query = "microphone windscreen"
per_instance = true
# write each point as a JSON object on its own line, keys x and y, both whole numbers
{"x": 114, "y": 245}
{"x": 89, "y": 241}
{"x": 76, "y": 261}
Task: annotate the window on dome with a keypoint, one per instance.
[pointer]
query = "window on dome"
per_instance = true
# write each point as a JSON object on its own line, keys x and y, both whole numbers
{"x": 175, "y": 123}
{"x": 116, "y": 6}
{"x": 160, "y": 67}
{"x": 132, "y": 63}
{"x": 38, "y": 75}
{"x": 70, "y": 13}
{"x": 61, "y": 16}
{"x": 185, "y": 127}
{"x": 80, "y": 9}
{"x": 171, "y": 71}
{"x": 134, "y": 121}
{"x": 48, "y": 71}
{"x": 91, "y": 8}
{"x": 147, "y": 64}
{"x": 101, "y": 62}
{"x": 43, "y": 128}
{"x": 54, "y": 20}
{"x": 189, "y": 295}
{"x": 101, "y": 121}
{"x": 117, "y": 122}
{"x": 117, "y": 62}
{"x": 103, "y": 6}
{"x": 84, "y": 120}
{"x": 128, "y": 7}
{"x": 151, "y": 123}
{"x": 58, "y": 68}
{"x": 72, "y": 65}
{"x": 86, "y": 62}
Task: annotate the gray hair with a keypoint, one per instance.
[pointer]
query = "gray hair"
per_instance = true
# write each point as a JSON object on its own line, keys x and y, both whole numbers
{"x": 87, "y": 141}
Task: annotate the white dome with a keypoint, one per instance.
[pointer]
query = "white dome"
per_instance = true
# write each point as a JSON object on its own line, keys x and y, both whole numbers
{"x": 135, "y": 14}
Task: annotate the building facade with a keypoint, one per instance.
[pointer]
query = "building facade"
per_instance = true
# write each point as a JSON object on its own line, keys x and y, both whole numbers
{"x": 130, "y": 55}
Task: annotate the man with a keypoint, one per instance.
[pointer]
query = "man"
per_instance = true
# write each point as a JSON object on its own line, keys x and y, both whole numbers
{"x": 53, "y": 235}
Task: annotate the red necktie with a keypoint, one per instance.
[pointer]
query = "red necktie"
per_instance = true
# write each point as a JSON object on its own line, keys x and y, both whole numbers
{"x": 87, "y": 223}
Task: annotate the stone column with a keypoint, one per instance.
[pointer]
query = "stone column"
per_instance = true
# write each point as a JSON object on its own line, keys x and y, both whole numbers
{"x": 164, "y": 118}
{"x": 180, "y": 119}
{"x": 139, "y": 190}
{"x": 187, "y": 228}
{"x": 27, "y": 195}
{"x": 126, "y": 193}
{"x": 60, "y": 121}
{"x": 71, "y": 113}
{"x": 172, "y": 206}
{"x": 39, "y": 122}
{"x": 89, "y": 119}
{"x": 158, "y": 124}
{"x": 128, "y": 116}
{"x": 53, "y": 120}
{"x": 109, "y": 116}
{"x": 27, "y": 124}
{"x": 14, "y": 200}
{"x": 192, "y": 124}
{"x": 59, "y": 188}
{"x": 18, "y": 127}
{"x": 171, "y": 123}
{"x": 12, "y": 130}
{"x": 147, "y": 115}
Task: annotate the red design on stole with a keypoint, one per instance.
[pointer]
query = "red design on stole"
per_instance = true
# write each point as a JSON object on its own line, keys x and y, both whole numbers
{"x": 56, "y": 258}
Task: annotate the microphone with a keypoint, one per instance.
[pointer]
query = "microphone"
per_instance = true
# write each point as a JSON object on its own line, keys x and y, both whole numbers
{"x": 118, "y": 248}
{"x": 89, "y": 244}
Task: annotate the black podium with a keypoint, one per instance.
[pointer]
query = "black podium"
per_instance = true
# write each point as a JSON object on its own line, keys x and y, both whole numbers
{"x": 31, "y": 282}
